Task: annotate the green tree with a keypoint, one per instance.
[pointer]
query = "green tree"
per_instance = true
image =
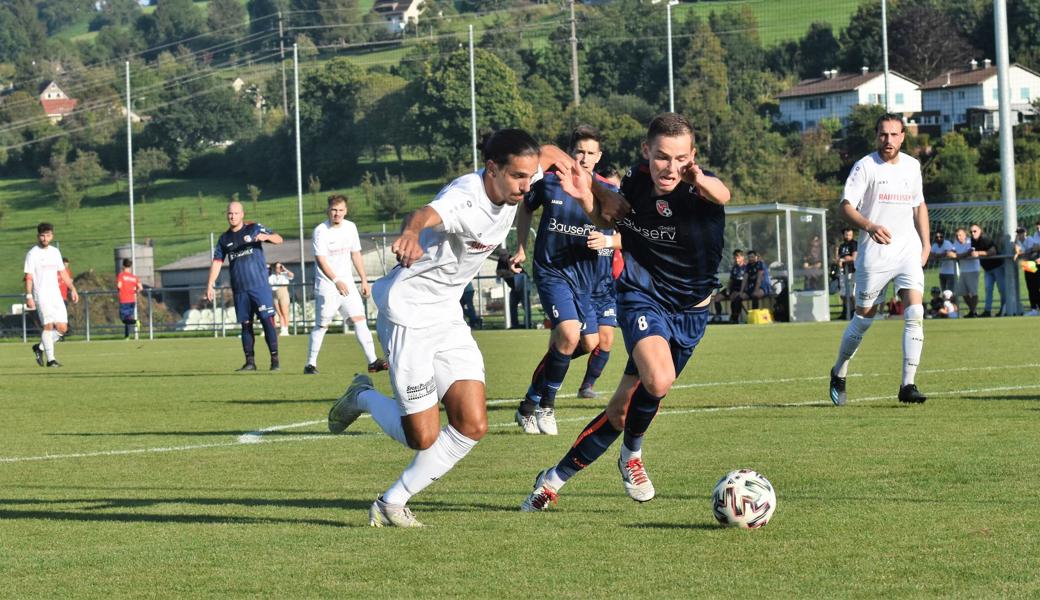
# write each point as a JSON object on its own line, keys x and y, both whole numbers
{"x": 861, "y": 132}
{"x": 116, "y": 13}
{"x": 385, "y": 100}
{"x": 957, "y": 176}
{"x": 13, "y": 39}
{"x": 207, "y": 112}
{"x": 225, "y": 20}
{"x": 817, "y": 51}
{"x": 254, "y": 196}
{"x": 263, "y": 19}
{"x": 58, "y": 14}
{"x": 70, "y": 181}
{"x": 923, "y": 40}
{"x": 620, "y": 57}
{"x": 442, "y": 113}
{"x": 860, "y": 41}
{"x": 330, "y": 108}
{"x": 149, "y": 163}
{"x": 334, "y": 21}
{"x": 703, "y": 94}
{"x": 173, "y": 21}
{"x": 389, "y": 196}
{"x": 314, "y": 187}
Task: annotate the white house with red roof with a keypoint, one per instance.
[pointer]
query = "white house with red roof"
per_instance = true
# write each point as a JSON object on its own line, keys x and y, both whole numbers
{"x": 833, "y": 95}
{"x": 56, "y": 104}
{"x": 969, "y": 98}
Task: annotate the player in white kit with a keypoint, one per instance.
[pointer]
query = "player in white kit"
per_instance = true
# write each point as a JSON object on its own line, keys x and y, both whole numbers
{"x": 43, "y": 267}
{"x": 432, "y": 354}
{"x": 337, "y": 245}
{"x": 884, "y": 199}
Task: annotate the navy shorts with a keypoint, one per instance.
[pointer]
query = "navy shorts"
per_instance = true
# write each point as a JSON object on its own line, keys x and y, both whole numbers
{"x": 640, "y": 316}
{"x": 604, "y": 311}
{"x": 561, "y": 303}
{"x": 126, "y": 312}
{"x": 256, "y": 301}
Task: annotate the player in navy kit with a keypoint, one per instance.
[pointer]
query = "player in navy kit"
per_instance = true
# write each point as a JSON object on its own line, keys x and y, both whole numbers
{"x": 606, "y": 243}
{"x": 242, "y": 246}
{"x": 566, "y": 272}
{"x": 671, "y": 219}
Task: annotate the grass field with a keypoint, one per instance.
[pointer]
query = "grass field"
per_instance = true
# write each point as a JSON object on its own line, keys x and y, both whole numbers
{"x": 780, "y": 20}
{"x": 125, "y": 473}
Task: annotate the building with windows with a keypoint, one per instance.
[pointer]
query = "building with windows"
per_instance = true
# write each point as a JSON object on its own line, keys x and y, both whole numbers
{"x": 833, "y": 95}
{"x": 969, "y": 99}
{"x": 56, "y": 104}
{"x": 399, "y": 13}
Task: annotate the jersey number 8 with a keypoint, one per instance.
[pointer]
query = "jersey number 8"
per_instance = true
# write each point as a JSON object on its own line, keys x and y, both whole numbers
{"x": 641, "y": 321}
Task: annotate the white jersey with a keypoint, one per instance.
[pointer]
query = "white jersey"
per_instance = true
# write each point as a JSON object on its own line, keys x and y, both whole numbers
{"x": 886, "y": 194}
{"x": 44, "y": 265}
{"x": 968, "y": 265}
{"x": 336, "y": 244}
{"x": 947, "y": 266}
{"x": 428, "y": 292}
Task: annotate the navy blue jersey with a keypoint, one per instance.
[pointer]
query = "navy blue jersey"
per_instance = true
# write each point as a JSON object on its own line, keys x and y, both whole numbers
{"x": 604, "y": 269}
{"x": 737, "y": 273}
{"x": 753, "y": 269}
{"x": 672, "y": 244}
{"x": 245, "y": 257}
{"x": 561, "y": 250}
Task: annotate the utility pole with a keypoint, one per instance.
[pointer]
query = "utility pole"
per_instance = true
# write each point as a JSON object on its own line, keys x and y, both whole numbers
{"x": 884, "y": 49}
{"x": 1008, "y": 191}
{"x": 574, "y": 58}
{"x": 281, "y": 49}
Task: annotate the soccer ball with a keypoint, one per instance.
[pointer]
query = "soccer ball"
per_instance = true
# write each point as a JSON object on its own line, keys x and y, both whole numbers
{"x": 743, "y": 498}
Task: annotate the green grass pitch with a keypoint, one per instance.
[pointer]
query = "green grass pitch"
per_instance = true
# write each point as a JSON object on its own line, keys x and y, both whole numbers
{"x": 125, "y": 474}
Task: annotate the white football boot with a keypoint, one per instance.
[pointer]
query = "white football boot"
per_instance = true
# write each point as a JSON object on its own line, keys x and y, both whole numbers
{"x": 541, "y": 497}
{"x": 546, "y": 420}
{"x": 391, "y": 515}
{"x": 637, "y": 483}
{"x": 345, "y": 411}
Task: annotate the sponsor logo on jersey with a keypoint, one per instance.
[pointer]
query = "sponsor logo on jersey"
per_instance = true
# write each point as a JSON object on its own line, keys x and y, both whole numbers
{"x": 662, "y": 208}
{"x": 566, "y": 229}
{"x": 477, "y": 247}
{"x": 661, "y": 232}
{"x": 557, "y": 202}
{"x": 415, "y": 392}
{"x": 248, "y": 238}
{"x": 889, "y": 198}
{"x": 240, "y": 254}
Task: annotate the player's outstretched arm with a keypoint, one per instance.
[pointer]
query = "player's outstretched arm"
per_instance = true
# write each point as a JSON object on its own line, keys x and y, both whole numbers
{"x": 551, "y": 156}
{"x": 407, "y": 247}
{"x": 877, "y": 232}
{"x": 921, "y": 223}
{"x": 608, "y": 206}
{"x": 711, "y": 188}
{"x": 270, "y": 238}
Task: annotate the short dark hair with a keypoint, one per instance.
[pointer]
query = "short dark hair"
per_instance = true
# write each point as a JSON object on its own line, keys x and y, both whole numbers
{"x": 738, "y": 252}
{"x": 506, "y": 143}
{"x": 43, "y": 227}
{"x": 584, "y": 132}
{"x": 336, "y": 199}
{"x": 668, "y": 124}
{"x": 611, "y": 171}
{"x": 127, "y": 262}
{"x": 888, "y": 117}
{"x": 847, "y": 228}
{"x": 755, "y": 252}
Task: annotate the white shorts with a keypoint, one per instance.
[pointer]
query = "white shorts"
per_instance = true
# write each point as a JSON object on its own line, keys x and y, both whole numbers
{"x": 327, "y": 304}
{"x": 51, "y": 310}
{"x": 425, "y": 361}
{"x": 869, "y": 284}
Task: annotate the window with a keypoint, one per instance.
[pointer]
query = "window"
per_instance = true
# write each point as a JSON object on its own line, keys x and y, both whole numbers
{"x": 1025, "y": 93}
{"x": 817, "y": 103}
{"x": 996, "y": 93}
{"x": 960, "y": 95}
{"x": 899, "y": 99}
{"x": 946, "y": 118}
{"x": 809, "y": 125}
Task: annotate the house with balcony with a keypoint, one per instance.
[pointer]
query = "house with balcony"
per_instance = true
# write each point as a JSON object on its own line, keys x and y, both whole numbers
{"x": 968, "y": 98}
{"x": 56, "y": 104}
{"x": 833, "y": 95}
{"x": 399, "y": 13}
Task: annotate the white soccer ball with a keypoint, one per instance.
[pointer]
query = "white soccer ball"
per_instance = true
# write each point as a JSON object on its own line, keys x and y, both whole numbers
{"x": 743, "y": 498}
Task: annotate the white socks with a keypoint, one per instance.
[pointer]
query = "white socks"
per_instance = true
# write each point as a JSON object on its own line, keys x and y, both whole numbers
{"x": 314, "y": 345}
{"x": 430, "y": 465}
{"x": 385, "y": 411}
{"x": 47, "y": 339}
{"x": 627, "y": 455}
{"x": 364, "y": 337}
{"x": 850, "y": 342}
{"x": 913, "y": 341}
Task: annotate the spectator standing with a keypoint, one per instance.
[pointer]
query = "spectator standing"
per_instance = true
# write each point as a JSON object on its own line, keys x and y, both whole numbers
{"x": 280, "y": 278}
{"x": 983, "y": 246}
{"x": 129, "y": 285}
{"x": 941, "y": 249}
{"x": 848, "y": 250}
{"x": 1031, "y": 251}
{"x": 968, "y": 277}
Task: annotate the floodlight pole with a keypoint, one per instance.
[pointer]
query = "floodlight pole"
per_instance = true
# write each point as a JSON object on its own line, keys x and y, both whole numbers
{"x": 671, "y": 78}
{"x": 884, "y": 47}
{"x": 130, "y": 186}
{"x": 574, "y": 59}
{"x": 473, "y": 99}
{"x": 1007, "y": 151}
{"x": 299, "y": 178}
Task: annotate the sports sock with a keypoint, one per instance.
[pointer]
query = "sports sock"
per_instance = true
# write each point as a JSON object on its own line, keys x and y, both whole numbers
{"x": 527, "y": 405}
{"x": 579, "y": 352}
{"x": 597, "y": 360}
{"x": 47, "y": 339}
{"x": 248, "y": 340}
{"x": 556, "y": 365}
{"x": 641, "y": 411}
{"x": 536, "y": 383}
{"x": 364, "y": 337}
{"x": 314, "y": 344}
{"x": 385, "y": 412}
{"x": 850, "y": 341}
{"x": 126, "y": 330}
{"x": 594, "y": 440}
{"x": 429, "y": 465}
{"x": 270, "y": 334}
{"x": 913, "y": 341}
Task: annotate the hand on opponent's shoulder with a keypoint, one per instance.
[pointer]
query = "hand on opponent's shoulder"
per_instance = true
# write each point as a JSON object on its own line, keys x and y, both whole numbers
{"x": 710, "y": 187}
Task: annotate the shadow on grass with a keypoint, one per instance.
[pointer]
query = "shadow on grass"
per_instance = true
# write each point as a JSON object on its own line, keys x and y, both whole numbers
{"x": 327, "y": 401}
{"x": 1025, "y": 397}
{"x": 692, "y": 526}
{"x": 221, "y": 432}
{"x": 57, "y": 515}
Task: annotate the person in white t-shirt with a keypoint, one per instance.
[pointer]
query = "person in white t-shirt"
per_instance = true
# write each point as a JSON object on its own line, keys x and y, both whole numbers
{"x": 43, "y": 269}
{"x": 968, "y": 270}
{"x": 336, "y": 246}
{"x": 941, "y": 248}
{"x": 433, "y": 356}
{"x": 883, "y": 198}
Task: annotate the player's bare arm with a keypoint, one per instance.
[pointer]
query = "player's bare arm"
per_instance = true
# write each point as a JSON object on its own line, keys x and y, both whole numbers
{"x": 551, "y": 156}
{"x": 523, "y": 229}
{"x": 598, "y": 240}
{"x": 359, "y": 267}
{"x": 406, "y": 247}
{"x": 877, "y": 232}
{"x": 214, "y": 272}
{"x": 326, "y": 269}
{"x": 270, "y": 238}
{"x": 608, "y": 206}
{"x": 711, "y": 188}
{"x": 72, "y": 288}
{"x": 921, "y": 223}
{"x": 30, "y": 303}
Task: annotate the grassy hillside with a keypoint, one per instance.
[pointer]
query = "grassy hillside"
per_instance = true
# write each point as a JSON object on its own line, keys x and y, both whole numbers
{"x": 177, "y": 214}
{"x": 782, "y": 19}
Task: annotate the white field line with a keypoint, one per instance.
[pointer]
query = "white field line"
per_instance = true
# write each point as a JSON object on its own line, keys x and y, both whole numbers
{"x": 256, "y": 437}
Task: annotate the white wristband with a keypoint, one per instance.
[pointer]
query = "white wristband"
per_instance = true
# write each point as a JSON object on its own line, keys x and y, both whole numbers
{"x": 609, "y": 241}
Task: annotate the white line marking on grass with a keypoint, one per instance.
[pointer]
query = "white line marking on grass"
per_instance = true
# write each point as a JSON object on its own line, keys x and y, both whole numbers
{"x": 253, "y": 437}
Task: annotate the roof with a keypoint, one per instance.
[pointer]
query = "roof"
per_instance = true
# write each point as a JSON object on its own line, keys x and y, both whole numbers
{"x": 58, "y": 106}
{"x": 965, "y": 77}
{"x": 288, "y": 252}
{"x": 843, "y": 82}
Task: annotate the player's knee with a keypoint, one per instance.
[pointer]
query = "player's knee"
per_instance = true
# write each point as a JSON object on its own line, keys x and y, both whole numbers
{"x": 566, "y": 342}
{"x": 616, "y": 416}
{"x": 421, "y": 440}
{"x": 658, "y": 384}
{"x": 914, "y": 314}
{"x": 474, "y": 431}
{"x": 61, "y": 327}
